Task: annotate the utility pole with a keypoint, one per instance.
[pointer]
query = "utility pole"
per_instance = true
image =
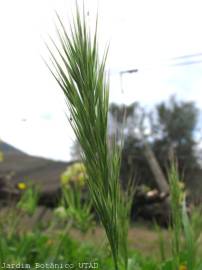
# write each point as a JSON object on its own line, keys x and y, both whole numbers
{"x": 159, "y": 176}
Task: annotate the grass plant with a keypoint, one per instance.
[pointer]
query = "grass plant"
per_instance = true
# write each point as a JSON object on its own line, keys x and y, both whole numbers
{"x": 184, "y": 229}
{"x": 176, "y": 199}
{"x": 81, "y": 76}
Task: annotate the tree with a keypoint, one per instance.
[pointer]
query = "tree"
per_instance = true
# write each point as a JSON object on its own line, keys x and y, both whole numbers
{"x": 176, "y": 125}
{"x": 148, "y": 148}
{"x": 135, "y": 132}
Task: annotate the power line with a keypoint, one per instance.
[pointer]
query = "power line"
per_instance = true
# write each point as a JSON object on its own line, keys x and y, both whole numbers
{"x": 185, "y": 63}
{"x": 167, "y": 64}
{"x": 189, "y": 62}
{"x": 186, "y": 56}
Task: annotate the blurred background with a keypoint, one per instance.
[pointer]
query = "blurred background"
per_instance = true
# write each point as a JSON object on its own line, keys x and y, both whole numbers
{"x": 155, "y": 71}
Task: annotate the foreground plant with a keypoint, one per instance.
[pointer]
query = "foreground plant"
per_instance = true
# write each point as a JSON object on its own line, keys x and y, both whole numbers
{"x": 81, "y": 76}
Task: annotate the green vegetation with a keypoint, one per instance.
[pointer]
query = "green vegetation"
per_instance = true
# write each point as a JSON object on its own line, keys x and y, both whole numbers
{"x": 76, "y": 205}
{"x": 29, "y": 199}
{"x": 183, "y": 229}
{"x": 56, "y": 242}
{"x": 51, "y": 244}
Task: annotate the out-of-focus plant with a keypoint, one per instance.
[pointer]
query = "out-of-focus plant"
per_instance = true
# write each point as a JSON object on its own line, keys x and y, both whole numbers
{"x": 77, "y": 209}
{"x": 184, "y": 229}
{"x": 176, "y": 200}
{"x": 13, "y": 215}
{"x": 29, "y": 199}
{"x": 76, "y": 205}
{"x": 196, "y": 222}
{"x": 74, "y": 175}
{"x": 1, "y": 156}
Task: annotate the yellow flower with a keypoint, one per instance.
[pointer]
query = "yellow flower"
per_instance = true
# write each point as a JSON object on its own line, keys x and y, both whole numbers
{"x": 50, "y": 242}
{"x": 182, "y": 267}
{"x": 74, "y": 174}
{"x": 22, "y": 186}
{"x": 1, "y": 156}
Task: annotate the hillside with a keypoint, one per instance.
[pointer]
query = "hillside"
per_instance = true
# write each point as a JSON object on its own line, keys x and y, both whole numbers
{"x": 22, "y": 167}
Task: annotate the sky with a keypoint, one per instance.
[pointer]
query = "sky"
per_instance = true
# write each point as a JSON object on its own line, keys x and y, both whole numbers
{"x": 141, "y": 34}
